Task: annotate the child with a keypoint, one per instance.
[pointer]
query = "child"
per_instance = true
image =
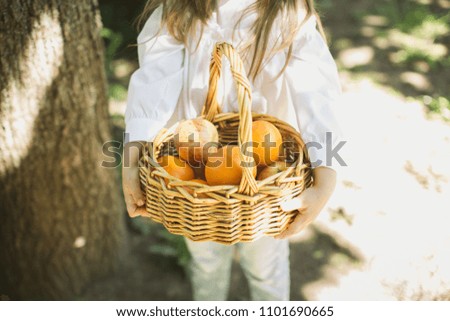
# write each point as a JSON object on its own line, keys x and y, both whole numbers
{"x": 293, "y": 77}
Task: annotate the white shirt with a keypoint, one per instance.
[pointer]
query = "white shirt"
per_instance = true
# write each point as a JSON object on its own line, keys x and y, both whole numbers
{"x": 172, "y": 81}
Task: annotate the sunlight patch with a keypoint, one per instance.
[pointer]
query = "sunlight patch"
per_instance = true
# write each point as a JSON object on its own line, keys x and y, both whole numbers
{"x": 39, "y": 66}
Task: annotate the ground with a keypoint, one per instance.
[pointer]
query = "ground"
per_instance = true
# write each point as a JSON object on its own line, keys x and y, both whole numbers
{"x": 385, "y": 233}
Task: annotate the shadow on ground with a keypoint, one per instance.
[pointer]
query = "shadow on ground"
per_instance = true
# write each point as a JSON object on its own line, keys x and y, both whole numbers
{"x": 143, "y": 275}
{"x": 147, "y": 276}
{"x": 317, "y": 258}
{"x": 400, "y": 44}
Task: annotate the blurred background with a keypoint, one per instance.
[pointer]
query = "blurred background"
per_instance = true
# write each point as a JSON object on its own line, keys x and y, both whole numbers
{"x": 383, "y": 236}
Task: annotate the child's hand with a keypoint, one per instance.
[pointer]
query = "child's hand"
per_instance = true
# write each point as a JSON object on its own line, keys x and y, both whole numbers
{"x": 134, "y": 198}
{"x": 311, "y": 201}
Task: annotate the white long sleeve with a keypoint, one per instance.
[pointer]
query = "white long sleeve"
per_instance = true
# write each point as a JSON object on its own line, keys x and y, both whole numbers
{"x": 314, "y": 88}
{"x": 154, "y": 88}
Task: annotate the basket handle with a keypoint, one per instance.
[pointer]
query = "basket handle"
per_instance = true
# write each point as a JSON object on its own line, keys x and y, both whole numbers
{"x": 248, "y": 184}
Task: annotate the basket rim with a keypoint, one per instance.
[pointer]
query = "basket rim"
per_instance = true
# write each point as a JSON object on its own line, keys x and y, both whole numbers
{"x": 274, "y": 184}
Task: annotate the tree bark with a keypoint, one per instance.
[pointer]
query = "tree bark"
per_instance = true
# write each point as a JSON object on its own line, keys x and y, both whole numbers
{"x": 61, "y": 213}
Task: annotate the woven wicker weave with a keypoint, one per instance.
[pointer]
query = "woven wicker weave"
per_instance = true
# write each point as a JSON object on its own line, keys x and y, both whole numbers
{"x": 228, "y": 214}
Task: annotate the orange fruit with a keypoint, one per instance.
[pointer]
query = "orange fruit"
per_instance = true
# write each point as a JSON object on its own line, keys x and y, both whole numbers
{"x": 176, "y": 167}
{"x": 273, "y": 169}
{"x": 267, "y": 142}
{"x": 193, "y": 139}
{"x": 224, "y": 168}
{"x": 200, "y": 181}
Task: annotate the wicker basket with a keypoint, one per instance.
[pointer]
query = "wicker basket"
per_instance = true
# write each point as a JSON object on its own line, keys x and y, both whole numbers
{"x": 229, "y": 214}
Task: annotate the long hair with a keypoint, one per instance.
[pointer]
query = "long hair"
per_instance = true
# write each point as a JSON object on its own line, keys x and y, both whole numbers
{"x": 181, "y": 17}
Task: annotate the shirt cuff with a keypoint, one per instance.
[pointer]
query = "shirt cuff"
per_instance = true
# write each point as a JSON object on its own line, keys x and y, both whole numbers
{"x": 142, "y": 129}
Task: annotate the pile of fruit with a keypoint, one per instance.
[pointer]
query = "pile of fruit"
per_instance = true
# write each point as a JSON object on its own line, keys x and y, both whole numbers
{"x": 202, "y": 160}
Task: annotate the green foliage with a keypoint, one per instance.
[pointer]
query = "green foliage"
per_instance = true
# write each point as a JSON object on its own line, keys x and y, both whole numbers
{"x": 424, "y": 30}
{"x": 113, "y": 41}
{"x": 117, "y": 91}
{"x": 403, "y": 15}
{"x": 324, "y": 5}
{"x": 420, "y": 50}
{"x": 118, "y": 34}
{"x": 416, "y": 31}
{"x": 439, "y": 105}
{"x": 167, "y": 245}
{"x": 432, "y": 27}
{"x": 173, "y": 246}
{"x": 419, "y": 41}
{"x": 144, "y": 226}
{"x": 118, "y": 17}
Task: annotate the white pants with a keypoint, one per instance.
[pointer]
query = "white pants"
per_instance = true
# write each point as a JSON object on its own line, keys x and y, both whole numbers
{"x": 265, "y": 263}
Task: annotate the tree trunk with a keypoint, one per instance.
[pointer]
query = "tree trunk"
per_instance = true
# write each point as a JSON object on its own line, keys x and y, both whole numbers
{"x": 61, "y": 223}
